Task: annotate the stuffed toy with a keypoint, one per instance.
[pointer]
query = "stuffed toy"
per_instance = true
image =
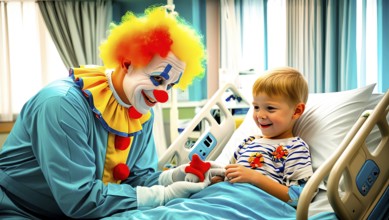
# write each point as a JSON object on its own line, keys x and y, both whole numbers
{"x": 198, "y": 167}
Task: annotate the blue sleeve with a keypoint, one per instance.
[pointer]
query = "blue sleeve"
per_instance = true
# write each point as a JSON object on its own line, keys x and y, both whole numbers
{"x": 295, "y": 192}
{"x": 61, "y": 129}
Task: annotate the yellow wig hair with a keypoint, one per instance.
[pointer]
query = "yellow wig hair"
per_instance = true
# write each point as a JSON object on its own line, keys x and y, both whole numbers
{"x": 138, "y": 39}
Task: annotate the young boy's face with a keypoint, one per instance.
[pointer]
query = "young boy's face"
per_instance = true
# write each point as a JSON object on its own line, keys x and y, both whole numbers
{"x": 274, "y": 116}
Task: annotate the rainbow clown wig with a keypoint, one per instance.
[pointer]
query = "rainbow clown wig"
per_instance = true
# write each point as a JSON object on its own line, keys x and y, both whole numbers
{"x": 158, "y": 32}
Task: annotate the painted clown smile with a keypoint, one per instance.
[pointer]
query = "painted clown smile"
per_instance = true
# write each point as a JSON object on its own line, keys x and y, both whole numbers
{"x": 149, "y": 101}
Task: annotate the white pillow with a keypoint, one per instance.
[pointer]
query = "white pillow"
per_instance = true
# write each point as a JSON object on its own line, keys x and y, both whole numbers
{"x": 326, "y": 120}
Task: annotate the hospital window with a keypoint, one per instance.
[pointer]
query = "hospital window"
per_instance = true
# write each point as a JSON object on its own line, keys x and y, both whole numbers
{"x": 245, "y": 53}
{"x": 32, "y": 60}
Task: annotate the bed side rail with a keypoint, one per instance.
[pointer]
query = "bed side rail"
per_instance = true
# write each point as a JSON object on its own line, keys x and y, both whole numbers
{"x": 323, "y": 171}
{"x": 365, "y": 174}
{"x": 214, "y": 134}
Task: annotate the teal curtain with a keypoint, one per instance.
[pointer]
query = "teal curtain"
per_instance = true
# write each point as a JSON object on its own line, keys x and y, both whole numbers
{"x": 306, "y": 40}
{"x": 322, "y": 43}
{"x": 383, "y": 45}
{"x": 198, "y": 89}
{"x": 340, "y": 53}
{"x": 77, "y": 28}
{"x": 329, "y": 41}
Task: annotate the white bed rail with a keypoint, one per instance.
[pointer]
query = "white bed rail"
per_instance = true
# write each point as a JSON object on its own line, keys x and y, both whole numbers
{"x": 365, "y": 173}
{"x": 212, "y": 139}
{"x": 349, "y": 157}
{"x": 323, "y": 171}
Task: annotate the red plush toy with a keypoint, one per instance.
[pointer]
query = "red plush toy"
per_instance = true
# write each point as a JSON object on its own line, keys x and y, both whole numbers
{"x": 198, "y": 167}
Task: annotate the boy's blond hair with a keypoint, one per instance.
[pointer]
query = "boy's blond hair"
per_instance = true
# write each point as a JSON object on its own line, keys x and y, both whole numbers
{"x": 284, "y": 81}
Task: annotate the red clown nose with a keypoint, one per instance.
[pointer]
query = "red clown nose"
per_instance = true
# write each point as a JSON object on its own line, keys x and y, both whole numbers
{"x": 161, "y": 95}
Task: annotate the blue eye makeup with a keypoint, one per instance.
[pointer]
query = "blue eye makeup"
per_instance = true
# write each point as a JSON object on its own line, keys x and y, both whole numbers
{"x": 172, "y": 84}
{"x": 157, "y": 78}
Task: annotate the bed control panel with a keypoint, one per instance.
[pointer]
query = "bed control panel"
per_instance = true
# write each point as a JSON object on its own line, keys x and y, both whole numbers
{"x": 367, "y": 176}
{"x": 204, "y": 146}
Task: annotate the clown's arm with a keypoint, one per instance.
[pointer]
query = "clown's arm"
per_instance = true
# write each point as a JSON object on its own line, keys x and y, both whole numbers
{"x": 72, "y": 166}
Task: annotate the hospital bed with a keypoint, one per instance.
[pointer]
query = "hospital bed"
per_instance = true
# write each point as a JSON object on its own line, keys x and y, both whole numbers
{"x": 348, "y": 137}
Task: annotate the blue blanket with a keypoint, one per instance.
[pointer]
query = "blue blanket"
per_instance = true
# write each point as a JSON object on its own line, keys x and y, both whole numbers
{"x": 222, "y": 201}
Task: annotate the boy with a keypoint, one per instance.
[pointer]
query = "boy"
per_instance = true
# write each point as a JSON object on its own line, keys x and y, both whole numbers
{"x": 278, "y": 162}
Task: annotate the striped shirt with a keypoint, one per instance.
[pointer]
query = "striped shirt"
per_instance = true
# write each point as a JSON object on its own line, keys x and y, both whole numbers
{"x": 284, "y": 160}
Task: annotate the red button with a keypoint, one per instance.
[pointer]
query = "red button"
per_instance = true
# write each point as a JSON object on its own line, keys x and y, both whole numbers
{"x": 122, "y": 143}
{"x": 121, "y": 171}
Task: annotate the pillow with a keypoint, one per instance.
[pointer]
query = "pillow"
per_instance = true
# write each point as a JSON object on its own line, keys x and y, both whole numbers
{"x": 326, "y": 120}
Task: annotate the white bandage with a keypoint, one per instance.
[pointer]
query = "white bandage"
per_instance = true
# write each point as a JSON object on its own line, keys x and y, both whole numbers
{"x": 166, "y": 177}
{"x": 150, "y": 197}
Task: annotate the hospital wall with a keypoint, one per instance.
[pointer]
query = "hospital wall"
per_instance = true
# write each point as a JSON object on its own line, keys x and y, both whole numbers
{"x": 5, "y": 127}
{"x": 2, "y": 139}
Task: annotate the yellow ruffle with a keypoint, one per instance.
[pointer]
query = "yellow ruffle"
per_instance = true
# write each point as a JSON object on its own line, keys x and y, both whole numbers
{"x": 94, "y": 84}
{"x": 113, "y": 116}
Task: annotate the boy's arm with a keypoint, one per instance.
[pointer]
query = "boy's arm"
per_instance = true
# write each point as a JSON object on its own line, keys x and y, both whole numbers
{"x": 239, "y": 174}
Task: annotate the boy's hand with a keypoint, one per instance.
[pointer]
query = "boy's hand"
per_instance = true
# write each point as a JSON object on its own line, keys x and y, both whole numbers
{"x": 217, "y": 179}
{"x": 217, "y": 171}
{"x": 236, "y": 173}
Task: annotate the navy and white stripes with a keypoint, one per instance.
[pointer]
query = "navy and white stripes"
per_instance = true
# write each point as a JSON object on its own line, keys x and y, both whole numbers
{"x": 296, "y": 165}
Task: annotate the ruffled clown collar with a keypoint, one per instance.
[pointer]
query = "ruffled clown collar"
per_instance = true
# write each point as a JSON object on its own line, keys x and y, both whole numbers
{"x": 112, "y": 112}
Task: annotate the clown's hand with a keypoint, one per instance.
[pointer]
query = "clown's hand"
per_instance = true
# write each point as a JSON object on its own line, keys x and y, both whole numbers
{"x": 179, "y": 174}
{"x": 168, "y": 177}
{"x": 182, "y": 190}
{"x": 151, "y": 197}
{"x": 216, "y": 169}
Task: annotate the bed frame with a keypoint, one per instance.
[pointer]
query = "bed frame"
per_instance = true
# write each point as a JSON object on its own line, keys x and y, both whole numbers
{"x": 364, "y": 174}
{"x": 211, "y": 140}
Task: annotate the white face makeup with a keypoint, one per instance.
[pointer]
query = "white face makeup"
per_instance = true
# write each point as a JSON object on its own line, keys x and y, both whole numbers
{"x": 146, "y": 86}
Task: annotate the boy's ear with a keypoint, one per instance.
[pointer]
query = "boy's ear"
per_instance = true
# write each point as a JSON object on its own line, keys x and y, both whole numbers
{"x": 299, "y": 110}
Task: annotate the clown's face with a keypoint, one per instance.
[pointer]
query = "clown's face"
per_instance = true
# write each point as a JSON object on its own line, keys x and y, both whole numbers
{"x": 146, "y": 86}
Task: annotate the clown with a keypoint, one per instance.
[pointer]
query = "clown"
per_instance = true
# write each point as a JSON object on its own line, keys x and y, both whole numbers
{"x": 82, "y": 147}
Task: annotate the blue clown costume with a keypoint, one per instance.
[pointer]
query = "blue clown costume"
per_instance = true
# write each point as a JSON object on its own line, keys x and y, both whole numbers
{"x": 87, "y": 117}
{"x": 82, "y": 147}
